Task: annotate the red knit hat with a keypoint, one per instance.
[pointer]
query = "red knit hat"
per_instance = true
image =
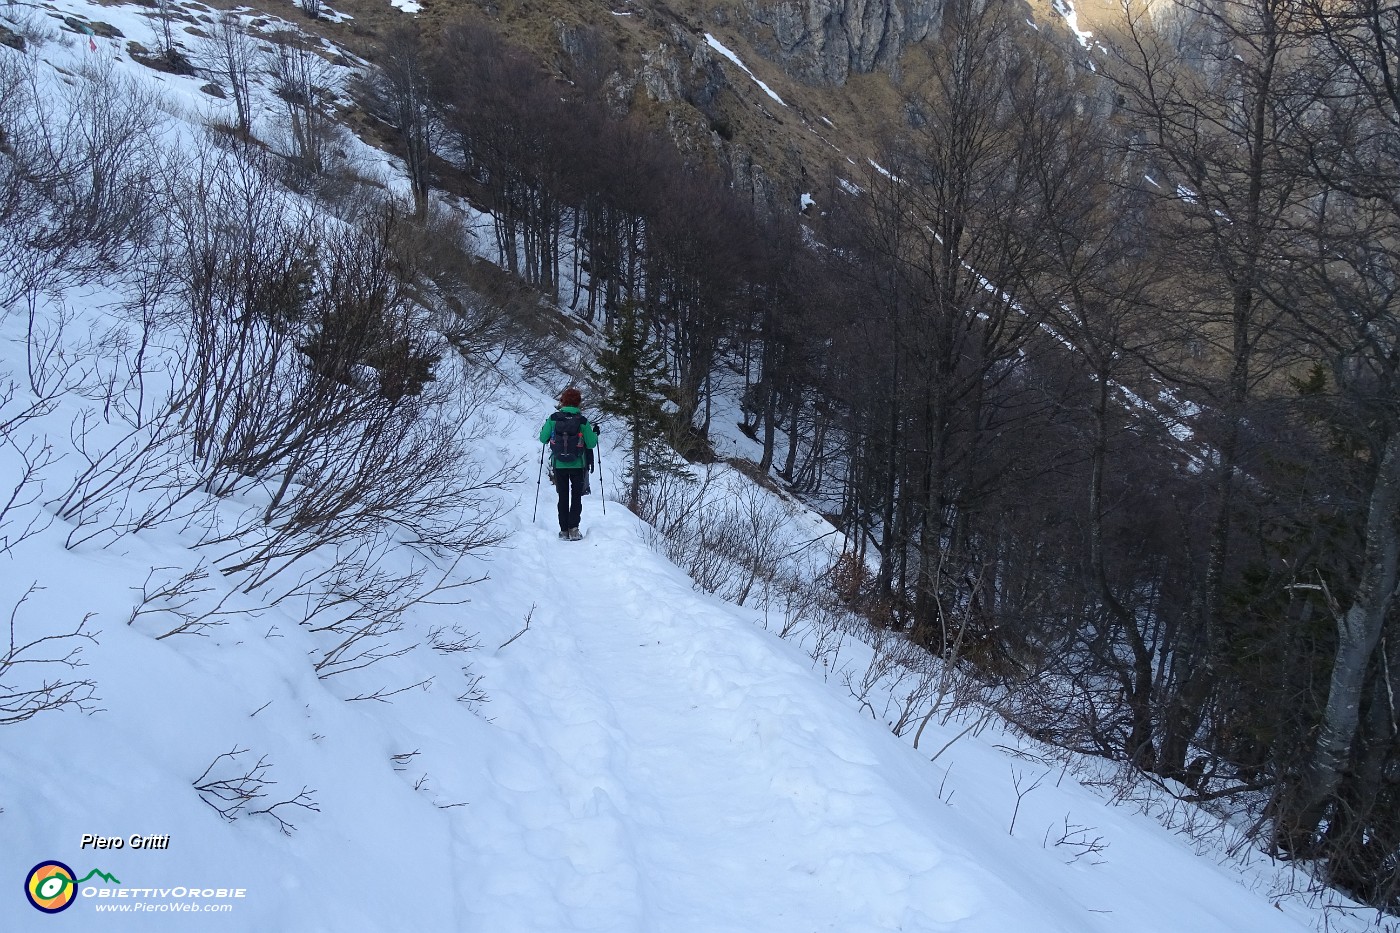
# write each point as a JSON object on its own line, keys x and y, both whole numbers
{"x": 571, "y": 398}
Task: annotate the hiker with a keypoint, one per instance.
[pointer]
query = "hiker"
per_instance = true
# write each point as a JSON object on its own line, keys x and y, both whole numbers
{"x": 571, "y": 440}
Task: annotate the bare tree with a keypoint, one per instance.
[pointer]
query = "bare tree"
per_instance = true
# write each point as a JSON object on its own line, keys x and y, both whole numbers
{"x": 164, "y": 15}
{"x": 1217, "y": 111}
{"x": 1094, "y": 291}
{"x": 400, "y": 93}
{"x": 1340, "y": 291}
{"x": 305, "y": 81}
{"x": 229, "y": 53}
{"x": 948, "y": 221}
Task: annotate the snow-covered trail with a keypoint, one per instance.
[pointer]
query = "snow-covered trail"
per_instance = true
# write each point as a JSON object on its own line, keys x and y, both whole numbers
{"x": 693, "y": 780}
{"x": 690, "y": 772}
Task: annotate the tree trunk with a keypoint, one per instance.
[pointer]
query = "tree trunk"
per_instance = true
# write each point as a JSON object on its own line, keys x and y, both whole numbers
{"x": 1358, "y": 632}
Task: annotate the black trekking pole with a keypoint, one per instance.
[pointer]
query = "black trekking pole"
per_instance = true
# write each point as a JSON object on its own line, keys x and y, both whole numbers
{"x": 602, "y": 485}
{"x": 538, "y": 476}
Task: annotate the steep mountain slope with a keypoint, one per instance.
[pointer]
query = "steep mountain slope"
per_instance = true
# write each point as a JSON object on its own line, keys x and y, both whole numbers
{"x": 836, "y": 71}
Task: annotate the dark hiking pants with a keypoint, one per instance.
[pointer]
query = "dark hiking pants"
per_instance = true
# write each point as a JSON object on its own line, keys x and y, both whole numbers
{"x": 569, "y": 484}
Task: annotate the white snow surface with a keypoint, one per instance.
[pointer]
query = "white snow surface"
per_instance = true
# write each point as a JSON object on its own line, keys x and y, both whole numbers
{"x": 1071, "y": 16}
{"x": 649, "y": 759}
{"x": 727, "y": 53}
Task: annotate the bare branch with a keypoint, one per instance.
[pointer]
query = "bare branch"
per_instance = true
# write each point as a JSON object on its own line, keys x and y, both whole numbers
{"x": 528, "y": 617}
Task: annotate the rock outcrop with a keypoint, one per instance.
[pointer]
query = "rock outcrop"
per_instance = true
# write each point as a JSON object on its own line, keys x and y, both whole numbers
{"x": 826, "y": 41}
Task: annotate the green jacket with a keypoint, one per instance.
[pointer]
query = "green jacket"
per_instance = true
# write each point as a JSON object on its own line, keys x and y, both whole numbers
{"x": 590, "y": 440}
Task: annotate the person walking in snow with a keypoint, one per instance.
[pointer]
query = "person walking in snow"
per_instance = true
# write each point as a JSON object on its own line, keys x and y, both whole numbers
{"x": 571, "y": 440}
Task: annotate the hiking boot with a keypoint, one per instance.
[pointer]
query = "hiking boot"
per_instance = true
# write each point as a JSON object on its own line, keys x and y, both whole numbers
{"x": 575, "y": 534}
{"x": 564, "y": 533}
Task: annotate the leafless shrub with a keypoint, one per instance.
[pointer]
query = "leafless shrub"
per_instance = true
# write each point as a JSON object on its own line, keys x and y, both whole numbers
{"x": 77, "y": 178}
{"x": 1023, "y": 790}
{"x": 309, "y": 381}
{"x": 230, "y": 789}
{"x": 495, "y": 312}
{"x": 31, "y": 26}
{"x": 181, "y": 596}
{"x": 728, "y": 541}
{"x": 360, "y": 607}
{"x": 304, "y": 799}
{"x": 884, "y": 663}
{"x": 128, "y": 478}
{"x": 99, "y": 501}
{"x": 747, "y": 533}
{"x": 78, "y": 199}
{"x": 361, "y": 646}
{"x": 726, "y": 537}
{"x": 673, "y": 506}
{"x": 902, "y": 673}
{"x": 27, "y": 659}
{"x": 795, "y": 603}
{"x": 345, "y": 419}
{"x": 917, "y": 695}
{"x": 354, "y": 607}
{"x": 244, "y": 258}
{"x": 457, "y": 641}
{"x": 17, "y": 410}
{"x": 177, "y": 594}
{"x": 954, "y": 689}
{"x": 382, "y": 694}
{"x": 980, "y": 719}
{"x": 827, "y": 638}
{"x": 34, "y": 457}
{"x": 165, "y": 16}
{"x": 21, "y": 200}
{"x": 441, "y": 640}
{"x": 1078, "y": 710}
{"x": 474, "y": 696}
{"x": 1079, "y": 841}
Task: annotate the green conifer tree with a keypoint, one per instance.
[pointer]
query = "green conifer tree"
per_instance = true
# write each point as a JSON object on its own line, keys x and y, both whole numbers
{"x": 632, "y": 375}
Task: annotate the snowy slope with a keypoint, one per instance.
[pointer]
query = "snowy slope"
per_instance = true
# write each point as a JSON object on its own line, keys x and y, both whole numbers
{"x": 585, "y": 744}
{"x": 648, "y": 760}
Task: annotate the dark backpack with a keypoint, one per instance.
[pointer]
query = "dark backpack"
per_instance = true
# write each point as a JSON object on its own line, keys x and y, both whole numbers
{"x": 566, "y": 442}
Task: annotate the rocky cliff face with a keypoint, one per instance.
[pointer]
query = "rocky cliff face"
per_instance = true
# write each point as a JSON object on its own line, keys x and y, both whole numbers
{"x": 825, "y": 41}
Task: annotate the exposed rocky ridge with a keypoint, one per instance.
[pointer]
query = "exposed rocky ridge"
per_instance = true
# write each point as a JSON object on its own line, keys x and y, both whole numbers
{"x": 839, "y": 66}
{"x": 825, "y": 41}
